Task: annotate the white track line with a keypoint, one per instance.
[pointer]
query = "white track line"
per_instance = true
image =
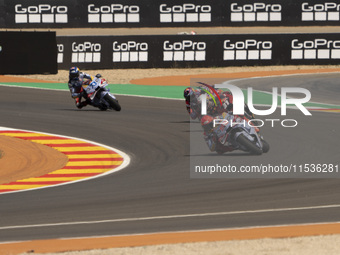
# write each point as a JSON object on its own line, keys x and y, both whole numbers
{"x": 188, "y": 231}
{"x": 172, "y": 217}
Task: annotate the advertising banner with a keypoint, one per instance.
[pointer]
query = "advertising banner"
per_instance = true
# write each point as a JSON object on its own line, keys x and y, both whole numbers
{"x": 170, "y": 13}
{"x": 168, "y": 51}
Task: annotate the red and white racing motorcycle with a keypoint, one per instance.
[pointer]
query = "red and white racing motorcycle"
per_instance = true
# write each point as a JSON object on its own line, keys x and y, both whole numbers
{"x": 239, "y": 133}
{"x": 100, "y": 95}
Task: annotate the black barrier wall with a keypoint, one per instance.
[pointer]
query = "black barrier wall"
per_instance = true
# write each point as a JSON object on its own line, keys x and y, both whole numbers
{"x": 28, "y": 53}
{"x": 165, "y": 51}
{"x": 169, "y": 13}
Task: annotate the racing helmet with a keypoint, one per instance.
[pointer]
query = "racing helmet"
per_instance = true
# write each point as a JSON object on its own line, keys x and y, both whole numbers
{"x": 74, "y": 72}
{"x": 207, "y": 122}
{"x": 187, "y": 93}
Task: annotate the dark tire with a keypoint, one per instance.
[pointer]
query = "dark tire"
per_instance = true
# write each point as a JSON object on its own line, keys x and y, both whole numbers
{"x": 103, "y": 107}
{"x": 265, "y": 146}
{"x": 112, "y": 102}
{"x": 241, "y": 139}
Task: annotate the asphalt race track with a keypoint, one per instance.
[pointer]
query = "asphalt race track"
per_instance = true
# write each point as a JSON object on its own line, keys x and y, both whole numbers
{"x": 155, "y": 192}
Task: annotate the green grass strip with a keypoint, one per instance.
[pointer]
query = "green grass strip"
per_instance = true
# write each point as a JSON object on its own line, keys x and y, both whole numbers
{"x": 171, "y": 92}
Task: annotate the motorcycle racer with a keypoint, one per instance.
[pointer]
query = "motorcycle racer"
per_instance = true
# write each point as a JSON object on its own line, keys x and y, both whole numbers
{"x": 192, "y": 103}
{"x": 218, "y": 102}
{"x": 75, "y": 82}
{"x": 214, "y": 136}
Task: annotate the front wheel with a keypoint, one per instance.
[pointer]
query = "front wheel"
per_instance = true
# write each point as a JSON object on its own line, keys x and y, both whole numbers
{"x": 265, "y": 146}
{"x": 112, "y": 102}
{"x": 249, "y": 145}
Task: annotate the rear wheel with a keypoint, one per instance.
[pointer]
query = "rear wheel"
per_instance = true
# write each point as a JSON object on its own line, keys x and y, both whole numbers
{"x": 112, "y": 102}
{"x": 249, "y": 145}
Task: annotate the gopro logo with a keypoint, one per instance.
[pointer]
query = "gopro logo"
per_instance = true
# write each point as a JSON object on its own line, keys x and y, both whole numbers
{"x": 320, "y": 12}
{"x": 114, "y": 13}
{"x": 255, "y": 12}
{"x": 60, "y": 56}
{"x": 185, "y": 13}
{"x": 247, "y": 50}
{"x": 43, "y": 13}
{"x": 86, "y": 52}
{"x": 185, "y": 50}
{"x": 315, "y": 49}
{"x": 130, "y": 51}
